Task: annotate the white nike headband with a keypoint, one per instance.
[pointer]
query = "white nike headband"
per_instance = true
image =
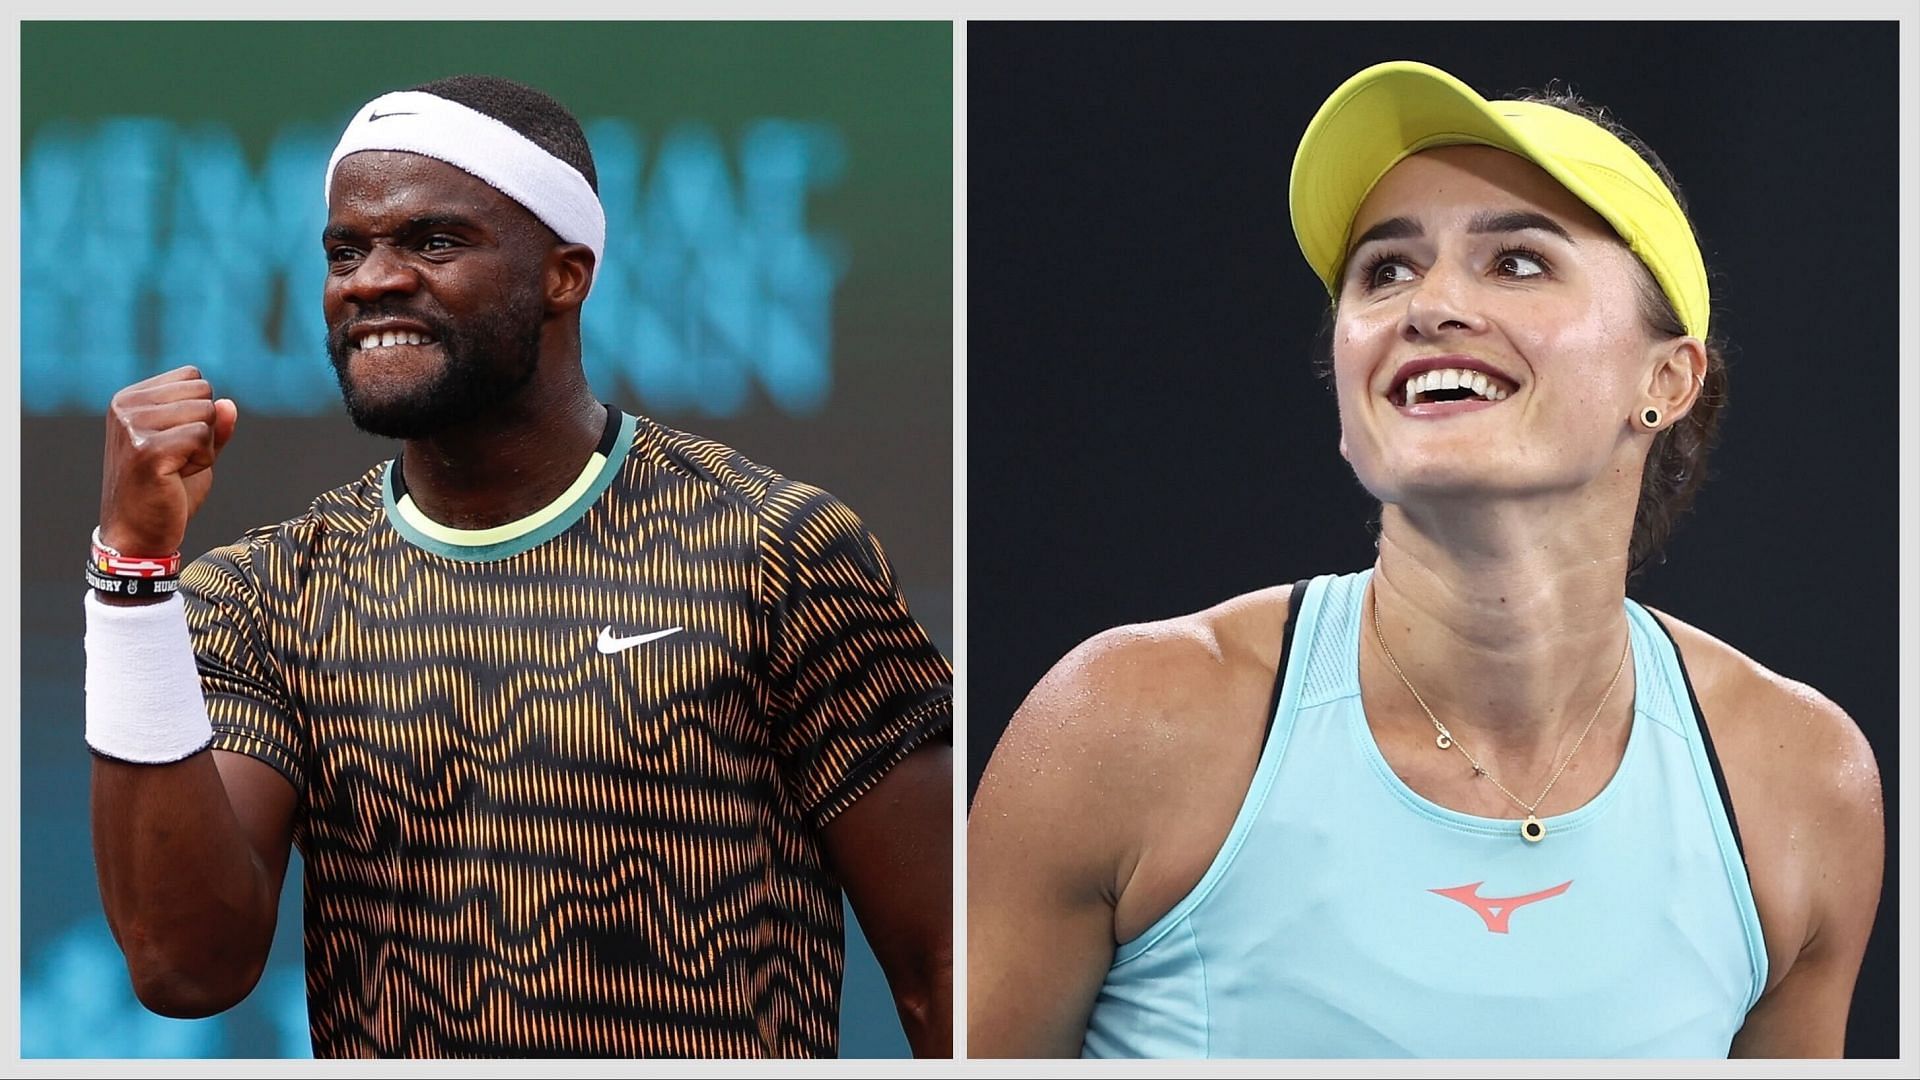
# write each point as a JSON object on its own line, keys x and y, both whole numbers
{"x": 417, "y": 122}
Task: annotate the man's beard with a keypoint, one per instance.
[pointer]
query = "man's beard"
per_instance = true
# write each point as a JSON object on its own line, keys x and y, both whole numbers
{"x": 489, "y": 359}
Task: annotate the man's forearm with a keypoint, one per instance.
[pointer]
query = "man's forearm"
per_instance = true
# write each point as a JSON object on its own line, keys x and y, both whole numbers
{"x": 188, "y": 898}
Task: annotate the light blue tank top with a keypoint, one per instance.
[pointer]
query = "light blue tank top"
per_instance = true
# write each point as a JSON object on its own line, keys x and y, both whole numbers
{"x": 1347, "y": 916}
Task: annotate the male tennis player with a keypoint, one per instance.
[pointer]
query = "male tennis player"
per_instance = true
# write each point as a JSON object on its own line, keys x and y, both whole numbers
{"x": 581, "y": 723}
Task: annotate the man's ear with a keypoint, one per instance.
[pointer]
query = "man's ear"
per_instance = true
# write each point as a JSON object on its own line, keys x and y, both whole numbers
{"x": 569, "y": 274}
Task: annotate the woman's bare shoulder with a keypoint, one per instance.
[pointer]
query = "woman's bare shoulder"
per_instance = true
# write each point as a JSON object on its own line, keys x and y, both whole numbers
{"x": 1142, "y": 686}
{"x": 1142, "y": 729}
{"x": 1806, "y": 794}
{"x": 1773, "y": 725}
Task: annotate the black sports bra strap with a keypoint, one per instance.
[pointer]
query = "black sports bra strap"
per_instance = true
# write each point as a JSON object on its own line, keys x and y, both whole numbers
{"x": 1706, "y": 739}
{"x": 1286, "y": 652}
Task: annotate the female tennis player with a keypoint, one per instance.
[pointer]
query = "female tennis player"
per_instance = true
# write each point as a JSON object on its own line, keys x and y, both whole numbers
{"x": 1471, "y": 801}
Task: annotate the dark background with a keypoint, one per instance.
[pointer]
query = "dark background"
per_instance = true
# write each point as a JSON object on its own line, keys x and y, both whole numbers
{"x": 1148, "y": 436}
{"x": 129, "y": 228}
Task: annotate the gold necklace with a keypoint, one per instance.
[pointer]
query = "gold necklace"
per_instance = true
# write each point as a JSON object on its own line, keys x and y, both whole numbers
{"x": 1531, "y": 829}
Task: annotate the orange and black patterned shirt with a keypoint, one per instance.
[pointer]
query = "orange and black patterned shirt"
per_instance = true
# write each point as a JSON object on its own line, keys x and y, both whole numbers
{"x": 562, "y": 794}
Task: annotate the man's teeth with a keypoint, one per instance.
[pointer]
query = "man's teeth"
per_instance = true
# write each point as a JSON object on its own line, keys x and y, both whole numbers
{"x": 382, "y": 339}
{"x": 1452, "y": 379}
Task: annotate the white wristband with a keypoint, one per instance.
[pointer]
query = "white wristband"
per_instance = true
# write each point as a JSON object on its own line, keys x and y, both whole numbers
{"x": 144, "y": 703}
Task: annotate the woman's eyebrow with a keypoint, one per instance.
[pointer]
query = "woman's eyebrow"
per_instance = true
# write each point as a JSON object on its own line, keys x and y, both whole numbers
{"x": 1393, "y": 228}
{"x": 1486, "y": 221}
{"x": 1501, "y": 221}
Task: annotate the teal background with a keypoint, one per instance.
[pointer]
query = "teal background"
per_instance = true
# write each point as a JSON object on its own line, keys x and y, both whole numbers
{"x": 876, "y": 100}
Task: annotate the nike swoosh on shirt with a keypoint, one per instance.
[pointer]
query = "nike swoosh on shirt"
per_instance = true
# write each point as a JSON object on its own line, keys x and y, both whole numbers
{"x": 610, "y": 644}
{"x": 372, "y": 116}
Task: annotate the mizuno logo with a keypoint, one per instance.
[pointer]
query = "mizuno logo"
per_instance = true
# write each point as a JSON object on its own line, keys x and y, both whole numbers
{"x": 610, "y": 644}
{"x": 1496, "y": 910}
{"x": 372, "y": 116}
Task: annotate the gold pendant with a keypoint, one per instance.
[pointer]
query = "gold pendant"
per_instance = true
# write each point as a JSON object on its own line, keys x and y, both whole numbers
{"x": 1442, "y": 741}
{"x": 1531, "y": 830}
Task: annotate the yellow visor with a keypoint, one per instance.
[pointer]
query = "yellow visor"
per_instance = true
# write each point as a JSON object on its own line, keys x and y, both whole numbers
{"x": 1402, "y": 107}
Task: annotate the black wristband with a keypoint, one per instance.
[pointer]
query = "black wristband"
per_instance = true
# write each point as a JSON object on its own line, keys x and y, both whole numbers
{"x": 130, "y": 586}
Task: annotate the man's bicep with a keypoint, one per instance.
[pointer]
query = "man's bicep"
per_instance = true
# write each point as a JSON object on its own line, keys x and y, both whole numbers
{"x": 892, "y": 851}
{"x": 264, "y": 802}
{"x": 897, "y": 836}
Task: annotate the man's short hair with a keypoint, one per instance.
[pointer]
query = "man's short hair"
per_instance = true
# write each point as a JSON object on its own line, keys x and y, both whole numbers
{"x": 528, "y": 111}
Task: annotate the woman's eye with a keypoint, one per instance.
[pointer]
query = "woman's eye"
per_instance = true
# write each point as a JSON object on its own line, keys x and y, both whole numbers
{"x": 1390, "y": 273}
{"x": 1520, "y": 264}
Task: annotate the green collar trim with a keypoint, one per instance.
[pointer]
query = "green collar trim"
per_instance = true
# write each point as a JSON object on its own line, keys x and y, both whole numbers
{"x": 514, "y": 537}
